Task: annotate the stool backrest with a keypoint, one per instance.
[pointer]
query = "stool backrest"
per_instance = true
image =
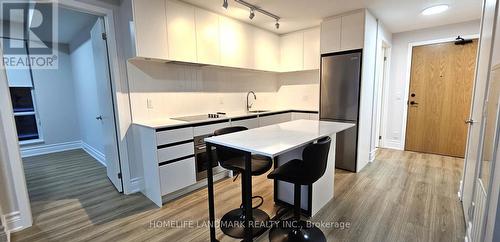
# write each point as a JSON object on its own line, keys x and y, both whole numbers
{"x": 225, "y": 154}
{"x": 315, "y": 158}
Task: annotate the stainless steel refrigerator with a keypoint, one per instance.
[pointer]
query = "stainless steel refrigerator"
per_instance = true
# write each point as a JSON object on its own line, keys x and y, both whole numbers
{"x": 339, "y": 101}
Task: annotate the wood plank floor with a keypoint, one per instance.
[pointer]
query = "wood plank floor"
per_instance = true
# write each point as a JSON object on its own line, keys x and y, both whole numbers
{"x": 403, "y": 196}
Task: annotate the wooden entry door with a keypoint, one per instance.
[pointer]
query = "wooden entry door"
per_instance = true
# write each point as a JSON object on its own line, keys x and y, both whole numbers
{"x": 441, "y": 81}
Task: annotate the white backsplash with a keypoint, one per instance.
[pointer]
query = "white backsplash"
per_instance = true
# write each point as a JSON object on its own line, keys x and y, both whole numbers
{"x": 163, "y": 90}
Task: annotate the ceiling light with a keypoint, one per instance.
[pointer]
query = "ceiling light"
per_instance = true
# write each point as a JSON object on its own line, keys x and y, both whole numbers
{"x": 435, "y": 9}
{"x": 225, "y": 5}
{"x": 252, "y": 14}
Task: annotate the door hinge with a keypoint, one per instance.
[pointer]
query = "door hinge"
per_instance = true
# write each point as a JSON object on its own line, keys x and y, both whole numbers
{"x": 104, "y": 36}
{"x": 380, "y": 137}
{"x": 385, "y": 58}
{"x": 120, "y": 175}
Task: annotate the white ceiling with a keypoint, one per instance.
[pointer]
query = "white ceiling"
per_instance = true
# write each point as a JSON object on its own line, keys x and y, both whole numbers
{"x": 397, "y": 15}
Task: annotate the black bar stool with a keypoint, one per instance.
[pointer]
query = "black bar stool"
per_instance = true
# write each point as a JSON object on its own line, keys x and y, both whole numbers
{"x": 301, "y": 172}
{"x": 235, "y": 161}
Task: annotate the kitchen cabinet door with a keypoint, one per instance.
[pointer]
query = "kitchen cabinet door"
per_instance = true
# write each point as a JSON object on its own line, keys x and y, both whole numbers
{"x": 177, "y": 175}
{"x": 330, "y": 35}
{"x": 311, "y": 48}
{"x": 150, "y": 29}
{"x": 297, "y": 116}
{"x": 292, "y": 52}
{"x": 181, "y": 31}
{"x": 314, "y": 116}
{"x": 267, "y": 50}
{"x": 353, "y": 29}
{"x": 248, "y": 123}
{"x": 236, "y": 45}
{"x": 207, "y": 37}
{"x": 274, "y": 119}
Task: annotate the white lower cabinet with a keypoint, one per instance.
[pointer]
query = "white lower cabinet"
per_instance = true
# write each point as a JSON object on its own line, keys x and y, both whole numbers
{"x": 297, "y": 116}
{"x": 250, "y": 123}
{"x": 177, "y": 175}
{"x": 314, "y": 116}
{"x": 175, "y": 152}
{"x": 209, "y": 129}
{"x": 274, "y": 119}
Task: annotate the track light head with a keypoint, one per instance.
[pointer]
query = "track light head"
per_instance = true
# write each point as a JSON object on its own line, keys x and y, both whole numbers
{"x": 225, "y": 4}
{"x": 277, "y": 25}
{"x": 252, "y": 14}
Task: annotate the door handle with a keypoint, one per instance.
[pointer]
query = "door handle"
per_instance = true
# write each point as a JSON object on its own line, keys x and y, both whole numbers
{"x": 99, "y": 117}
{"x": 469, "y": 121}
{"x": 413, "y": 103}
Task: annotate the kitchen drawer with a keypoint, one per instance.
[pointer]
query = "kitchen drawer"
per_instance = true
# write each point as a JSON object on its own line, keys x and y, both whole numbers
{"x": 177, "y": 175}
{"x": 174, "y": 135}
{"x": 209, "y": 129}
{"x": 297, "y": 116}
{"x": 314, "y": 116}
{"x": 174, "y": 152}
{"x": 274, "y": 119}
{"x": 249, "y": 123}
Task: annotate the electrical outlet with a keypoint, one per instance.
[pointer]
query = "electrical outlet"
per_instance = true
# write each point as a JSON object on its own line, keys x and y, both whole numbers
{"x": 149, "y": 103}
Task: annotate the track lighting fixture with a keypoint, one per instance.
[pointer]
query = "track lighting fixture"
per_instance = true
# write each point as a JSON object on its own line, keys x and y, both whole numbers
{"x": 225, "y": 4}
{"x": 254, "y": 8}
{"x": 252, "y": 14}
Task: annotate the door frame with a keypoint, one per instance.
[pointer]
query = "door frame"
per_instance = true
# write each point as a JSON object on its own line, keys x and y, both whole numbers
{"x": 383, "y": 97}
{"x": 122, "y": 115}
{"x": 408, "y": 76}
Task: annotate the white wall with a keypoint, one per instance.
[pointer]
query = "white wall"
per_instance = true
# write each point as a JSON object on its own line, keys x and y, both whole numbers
{"x": 177, "y": 90}
{"x": 398, "y": 81}
{"x": 87, "y": 103}
{"x": 298, "y": 90}
{"x": 54, "y": 93}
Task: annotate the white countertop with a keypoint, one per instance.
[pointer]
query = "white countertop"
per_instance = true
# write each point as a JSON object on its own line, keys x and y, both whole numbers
{"x": 277, "y": 139}
{"x": 169, "y": 122}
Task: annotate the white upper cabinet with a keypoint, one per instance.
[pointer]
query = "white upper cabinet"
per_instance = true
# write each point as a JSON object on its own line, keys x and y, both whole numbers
{"x": 150, "y": 29}
{"x": 207, "y": 37}
{"x": 343, "y": 33}
{"x": 236, "y": 43}
{"x": 311, "y": 48}
{"x": 181, "y": 31}
{"x": 330, "y": 35}
{"x": 172, "y": 30}
{"x": 267, "y": 50}
{"x": 292, "y": 51}
{"x": 353, "y": 29}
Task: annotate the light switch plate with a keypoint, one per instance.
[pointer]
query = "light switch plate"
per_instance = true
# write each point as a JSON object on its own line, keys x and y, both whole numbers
{"x": 149, "y": 103}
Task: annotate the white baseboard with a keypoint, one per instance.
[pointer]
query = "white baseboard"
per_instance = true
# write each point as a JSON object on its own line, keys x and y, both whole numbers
{"x": 13, "y": 222}
{"x": 135, "y": 185}
{"x": 47, "y": 149}
{"x": 393, "y": 144}
{"x": 373, "y": 153}
{"x": 94, "y": 153}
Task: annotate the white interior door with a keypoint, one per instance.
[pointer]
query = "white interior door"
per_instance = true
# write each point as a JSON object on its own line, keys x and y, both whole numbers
{"x": 107, "y": 116}
{"x": 475, "y": 136}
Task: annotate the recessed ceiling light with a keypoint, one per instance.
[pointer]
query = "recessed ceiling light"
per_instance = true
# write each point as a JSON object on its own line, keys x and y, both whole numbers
{"x": 435, "y": 9}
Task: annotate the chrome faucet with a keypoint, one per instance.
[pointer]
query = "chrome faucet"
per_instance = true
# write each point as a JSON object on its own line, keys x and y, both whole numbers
{"x": 249, "y": 106}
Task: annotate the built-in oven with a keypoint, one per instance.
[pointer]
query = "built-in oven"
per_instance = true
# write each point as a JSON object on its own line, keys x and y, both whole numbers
{"x": 201, "y": 158}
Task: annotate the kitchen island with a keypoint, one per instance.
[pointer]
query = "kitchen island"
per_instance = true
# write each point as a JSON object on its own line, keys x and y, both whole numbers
{"x": 282, "y": 143}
